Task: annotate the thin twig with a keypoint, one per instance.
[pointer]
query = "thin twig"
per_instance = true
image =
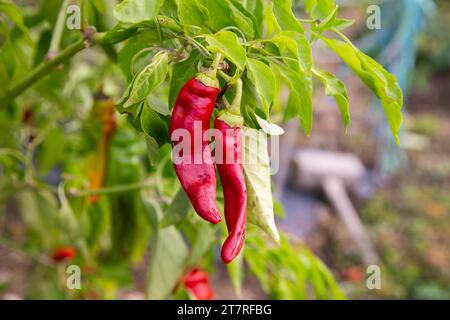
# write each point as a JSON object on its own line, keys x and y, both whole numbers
{"x": 58, "y": 31}
{"x": 109, "y": 190}
{"x": 41, "y": 259}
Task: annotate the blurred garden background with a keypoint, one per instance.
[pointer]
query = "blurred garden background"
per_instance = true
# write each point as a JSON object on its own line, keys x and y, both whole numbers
{"x": 401, "y": 195}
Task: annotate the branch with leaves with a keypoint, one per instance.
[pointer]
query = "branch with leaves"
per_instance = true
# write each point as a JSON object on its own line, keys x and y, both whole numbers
{"x": 160, "y": 45}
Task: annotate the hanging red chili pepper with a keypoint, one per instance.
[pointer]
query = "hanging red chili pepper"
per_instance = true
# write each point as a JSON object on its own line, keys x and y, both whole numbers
{"x": 195, "y": 168}
{"x": 231, "y": 172}
{"x": 197, "y": 284}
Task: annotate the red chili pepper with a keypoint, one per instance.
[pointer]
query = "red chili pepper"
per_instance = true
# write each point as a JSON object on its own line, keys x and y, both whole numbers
{"x": 197, "y": 283}
{"x": 64, "y": 253}
{"x": 194, "y": 105}
{"x": 234, "y": 188}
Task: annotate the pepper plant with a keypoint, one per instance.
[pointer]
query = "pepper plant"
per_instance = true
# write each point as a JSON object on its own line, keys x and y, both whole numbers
{"x": 103, "y": 182}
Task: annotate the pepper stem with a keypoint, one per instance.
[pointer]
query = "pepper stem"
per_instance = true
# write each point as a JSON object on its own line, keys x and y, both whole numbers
{"x": 216, "y": 62}
{"x": 235, "y": 107}
{"x": 212, "y": 72}
{"x": 232, "y": 113}
{"x": 209, "y": 78}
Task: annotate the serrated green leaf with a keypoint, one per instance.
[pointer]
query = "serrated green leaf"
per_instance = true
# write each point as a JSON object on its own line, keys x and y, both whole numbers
{"x": 227, "y": 43}
{"x": 133, "y": 11}
{"x": 383, "y": 84}
{"x": 335, "y": 88}
{"x": 257, "y": 176}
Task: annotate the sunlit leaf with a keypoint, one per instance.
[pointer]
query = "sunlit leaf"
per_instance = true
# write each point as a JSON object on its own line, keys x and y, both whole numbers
{"x": 148, "y": 79}
{"x": 335, "y": 88}
{"x": 257, "y": 177}
{"x": 133, "y": 11}
{"x": 264, "y": 81}
{"x": 227, "y": 43}
{"x": 383, "y": 84}
{"x": 285, "y": 17}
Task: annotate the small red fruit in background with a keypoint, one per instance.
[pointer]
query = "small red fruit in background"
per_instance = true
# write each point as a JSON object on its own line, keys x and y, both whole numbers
{"x": 353, "y": 274}
{"x": 64, "y": 253}
{"x": 197, "y": 283}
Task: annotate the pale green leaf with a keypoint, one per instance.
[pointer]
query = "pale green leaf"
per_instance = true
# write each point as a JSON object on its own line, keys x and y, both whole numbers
{"x": 269, "y": 128}
{"x": 133, "y": 11}
{"x": 285, "y": 17}
{"x": 382, "y": 83}
{"x": 152, "y": 149}
{"x": 341, "y": 24}
{"x": 152, "y": 125}
{"x": 301, "y": 94}
{"x": 264, "y": 81}
{"x": 227, "y": 43}
{"x": 205, "y": 237}
{"x": 149, "y": 78}
{"x": 319, "y": 9}
{"x": 335, "y": 88}
{"x": 177, "y": 210}
{"x": 257, "y": 175}
{"x": 13, "y": 12}
{"x": 243, "y": 22}
{"x": 167, "y": 261}
{"x": 237, "y": 273}
{"x": 328, "y": 22}
{"x": 192, "y": 14}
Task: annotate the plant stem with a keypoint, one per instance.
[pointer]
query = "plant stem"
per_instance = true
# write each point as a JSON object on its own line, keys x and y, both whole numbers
{"x": 309, "y": 20}
{"x": 226, "y": 77}
{"x": 84, "y": 22}
{"x": 113, "y": 189}
{"x": 59, "y": 30}
{"x": 90, "y": 37}
{"x": 40, "y": 71}
{"x": 41, "y": 259}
